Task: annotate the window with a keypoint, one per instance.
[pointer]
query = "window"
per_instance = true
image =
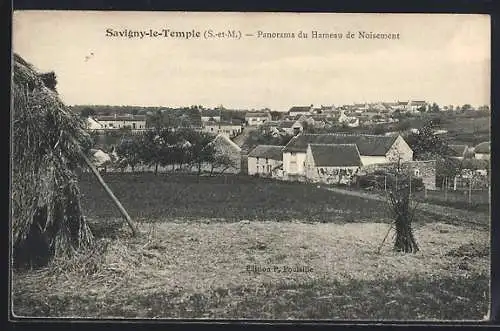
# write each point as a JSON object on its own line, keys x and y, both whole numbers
{"x": 257, "y": 160}
{"x": 267, "y": 161}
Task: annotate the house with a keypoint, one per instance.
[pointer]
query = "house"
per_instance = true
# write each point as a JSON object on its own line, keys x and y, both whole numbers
{"x": 482, "y": 151}
{"x": 228, "y": 129}
{"x": 257, "y": 118}
{"x": 373, "y": 149}
{"x": 210, "y": 115}
{"x": 114, "y": 122}
{"x": 332, "y": 164}
{"x": 457, "y": 151}
{"x": 291, "y": 127}
{"x": 266, "y": 160}
{"x": 416, "y": 105}
{"x": 300, "y": 110}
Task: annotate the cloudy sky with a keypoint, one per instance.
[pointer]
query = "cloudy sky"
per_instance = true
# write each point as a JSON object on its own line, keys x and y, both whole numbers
{"x": 439, "y": 58}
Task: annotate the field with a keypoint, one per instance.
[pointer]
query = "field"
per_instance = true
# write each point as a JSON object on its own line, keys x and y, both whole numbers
{"x": 219, "y": 248}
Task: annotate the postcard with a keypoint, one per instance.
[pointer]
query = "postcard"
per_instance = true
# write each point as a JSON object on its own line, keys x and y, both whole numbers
{"x": 250, "y": 166}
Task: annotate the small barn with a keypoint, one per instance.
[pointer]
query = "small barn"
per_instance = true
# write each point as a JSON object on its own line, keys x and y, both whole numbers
{"x": 266, "y": 160}
{"x": 332, "y": 164}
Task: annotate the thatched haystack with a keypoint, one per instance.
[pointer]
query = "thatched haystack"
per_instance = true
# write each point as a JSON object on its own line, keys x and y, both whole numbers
{"x": 46, "y": 138}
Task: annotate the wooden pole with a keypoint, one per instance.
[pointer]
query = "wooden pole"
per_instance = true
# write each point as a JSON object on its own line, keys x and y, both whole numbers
{"x": 385, "y": 183}
{"x": 111, "y": 195}
{"x": 410, "y": 185}
{"x": 446, "y": 189}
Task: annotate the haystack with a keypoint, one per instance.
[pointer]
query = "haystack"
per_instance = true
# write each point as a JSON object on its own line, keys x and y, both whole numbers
{"x": 47, "y": 140}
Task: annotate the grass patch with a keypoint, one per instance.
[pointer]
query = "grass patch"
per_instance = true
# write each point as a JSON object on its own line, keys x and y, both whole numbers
{"x": 230, "y": 198}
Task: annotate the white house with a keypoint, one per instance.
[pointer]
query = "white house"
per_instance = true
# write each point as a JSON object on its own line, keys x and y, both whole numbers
{"x": 416, "y": 105}
{"x": 482, "y": 151}
{"x": 332, "y": 164}
{"x": 373, "y": 149}
{"x": 266, "y": 160}
{"x": 257, "y": 118}
{"x": 134, "y": 122}
{"x": 226, "y": 128}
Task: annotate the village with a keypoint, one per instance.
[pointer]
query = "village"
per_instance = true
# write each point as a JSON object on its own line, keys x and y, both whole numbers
{"x": 323, "y": 144}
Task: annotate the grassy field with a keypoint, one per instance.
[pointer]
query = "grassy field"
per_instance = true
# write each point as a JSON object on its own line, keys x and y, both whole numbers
{"x": 230, "y": 198}
{"x": 223, "y": 248}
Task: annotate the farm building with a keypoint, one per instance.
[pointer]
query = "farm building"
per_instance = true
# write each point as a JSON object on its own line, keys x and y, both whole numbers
{"x": 266, "y": 160}
{"x": 134, "y": 122}
{"x": 482, "y": 151}
{"x": 257, "y": 118}
{"x": 373, "y": 149}
{"x": 332, "y": 163}
{"x": 226, "y": 128}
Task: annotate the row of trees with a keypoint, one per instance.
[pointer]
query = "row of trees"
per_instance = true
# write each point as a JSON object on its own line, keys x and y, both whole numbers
{"x": 175, "y": 148}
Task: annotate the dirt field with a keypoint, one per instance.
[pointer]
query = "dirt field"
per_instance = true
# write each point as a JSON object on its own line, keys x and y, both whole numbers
{"x": 202, "y": 271}
{"x": 256, "y": 263}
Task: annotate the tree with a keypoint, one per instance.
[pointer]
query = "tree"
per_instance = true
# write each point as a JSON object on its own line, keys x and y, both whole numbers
{"x": 221, "y": 161}
{"x": 434, "y": 108}
{"x": 466, "y": 107}
{"x": 201, "y": 150}
{"x": 151, "y": 146}
{"x": 425, "y": 144}
{"x": 87, "y": 112}
{"x": 129, "y": 152}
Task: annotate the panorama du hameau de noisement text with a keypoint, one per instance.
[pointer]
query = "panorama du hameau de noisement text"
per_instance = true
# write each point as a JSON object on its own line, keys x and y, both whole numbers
{"x": 194, "y": 34}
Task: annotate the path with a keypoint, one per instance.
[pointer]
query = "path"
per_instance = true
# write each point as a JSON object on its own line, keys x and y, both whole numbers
{"x": 453, "y": 215}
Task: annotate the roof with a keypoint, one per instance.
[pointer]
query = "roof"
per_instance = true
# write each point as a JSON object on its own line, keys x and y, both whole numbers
{"x": 457, "y": 150}
{"x": 222, "y": 139}
{"x": 484, "y": 147}
{"x": 369, "y": 145}
{"x": 120, "y": 117}
{"x": 341, "y": 155}
{"x": 296, "y": 109}
{"x": 267, "y": 151}
{"x": 286, "y": 124}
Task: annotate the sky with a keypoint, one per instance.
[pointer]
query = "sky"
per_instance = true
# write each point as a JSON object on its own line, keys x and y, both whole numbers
{"x": 443, "y": 58}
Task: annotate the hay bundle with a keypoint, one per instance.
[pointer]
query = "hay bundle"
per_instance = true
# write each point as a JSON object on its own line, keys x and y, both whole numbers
{"x": 47, "y": 140}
